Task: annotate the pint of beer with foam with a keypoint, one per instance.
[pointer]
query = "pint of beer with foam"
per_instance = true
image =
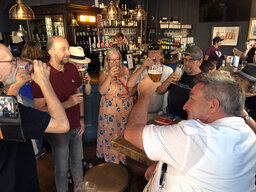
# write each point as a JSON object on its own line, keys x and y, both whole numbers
{"x": 155, "y": 73}
{"x": 82, "y": 72}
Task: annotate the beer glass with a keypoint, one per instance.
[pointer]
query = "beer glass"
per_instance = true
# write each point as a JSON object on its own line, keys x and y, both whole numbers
{"x": 26, "y": 65}
{"x": 179, "y": 70}
{"x": 87, "y": 186}
{"x": 155, "y": 73}
{"x": 82, "y": 72}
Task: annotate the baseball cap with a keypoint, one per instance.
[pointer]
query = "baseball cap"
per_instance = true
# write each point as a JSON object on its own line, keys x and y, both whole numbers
{"x": 216, "y": 40}
{"x": 195, "y": 52}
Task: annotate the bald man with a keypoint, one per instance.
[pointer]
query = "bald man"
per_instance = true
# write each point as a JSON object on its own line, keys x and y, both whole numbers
{"x": 17, "y": 159}
{"x": 65, "y": 81}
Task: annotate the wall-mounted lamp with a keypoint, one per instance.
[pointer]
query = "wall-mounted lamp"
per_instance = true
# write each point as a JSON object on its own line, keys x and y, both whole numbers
{"x": 74, "y": 22}
{"x": 139, "y": 14}
{"x": 21, "y": 32}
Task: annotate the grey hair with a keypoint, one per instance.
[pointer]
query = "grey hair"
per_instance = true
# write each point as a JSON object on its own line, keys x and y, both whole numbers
{"x": 225, "y": 89}
{"x": 108, "y": 54}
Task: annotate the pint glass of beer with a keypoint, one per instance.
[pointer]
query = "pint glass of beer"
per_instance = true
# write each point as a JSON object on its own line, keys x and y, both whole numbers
{"x": 155, "y": 73}
{"x": 82, "y": 72}
{"x": 179, "y": 70}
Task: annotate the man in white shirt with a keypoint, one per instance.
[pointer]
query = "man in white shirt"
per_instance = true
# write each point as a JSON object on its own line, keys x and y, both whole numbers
{"x": 214, "y": 150}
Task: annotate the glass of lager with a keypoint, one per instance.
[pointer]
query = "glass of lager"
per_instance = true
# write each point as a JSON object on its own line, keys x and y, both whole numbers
{"x": 179, "y": 70}
{"x": 82, "y": 72}
{"x": 155, "y": 72}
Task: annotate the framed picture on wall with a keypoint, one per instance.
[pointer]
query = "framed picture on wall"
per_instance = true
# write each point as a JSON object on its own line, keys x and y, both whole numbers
{"x": 252, "y": 29}
{"x": 228, "y": 33}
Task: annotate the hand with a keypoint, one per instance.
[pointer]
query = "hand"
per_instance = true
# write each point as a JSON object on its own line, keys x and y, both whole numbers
{"x": 75, "y": 99}
{"x": 41, "y": 72}
{"x": 150, "y": 170}
{"x": 250, "y": 44}
{"x": 23, "y": 77}
{"x": 126, "y": 95}
{"x": 147, "y": 63}
{"x": 81, "y": 131}
{"x": 248, "y": 94}
{"x": 87, "y": 78}
{"x": 147, "y": 86}
{"x": 173, "y": 78}
{"x": 114, "y": 71}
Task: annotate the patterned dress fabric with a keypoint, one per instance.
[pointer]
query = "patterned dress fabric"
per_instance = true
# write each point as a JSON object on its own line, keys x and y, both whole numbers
{"x": 113, "y": 114}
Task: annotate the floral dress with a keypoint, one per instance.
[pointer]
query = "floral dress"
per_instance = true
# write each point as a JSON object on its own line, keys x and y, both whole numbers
{"x": 113, "y": 114}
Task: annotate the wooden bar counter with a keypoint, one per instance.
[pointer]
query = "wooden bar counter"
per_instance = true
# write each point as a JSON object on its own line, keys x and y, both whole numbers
{"x": 128, "y": 149}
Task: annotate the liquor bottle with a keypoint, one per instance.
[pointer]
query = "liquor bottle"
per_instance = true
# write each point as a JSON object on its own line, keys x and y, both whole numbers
{"x": 126, "y": 15}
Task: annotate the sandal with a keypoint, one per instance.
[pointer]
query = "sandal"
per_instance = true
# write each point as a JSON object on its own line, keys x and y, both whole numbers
{"x": 70, "y": 180}
{"x": 86, "y": 165}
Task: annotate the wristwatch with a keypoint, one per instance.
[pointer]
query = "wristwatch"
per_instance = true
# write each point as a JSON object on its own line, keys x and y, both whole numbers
{"x": 246, "y": 118}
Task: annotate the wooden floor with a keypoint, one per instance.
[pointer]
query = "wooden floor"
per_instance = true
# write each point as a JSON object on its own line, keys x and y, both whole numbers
{"x": 45, "y": 170}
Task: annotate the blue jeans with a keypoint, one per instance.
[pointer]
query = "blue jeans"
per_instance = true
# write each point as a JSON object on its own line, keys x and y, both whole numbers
{"x": 67, "y": 147}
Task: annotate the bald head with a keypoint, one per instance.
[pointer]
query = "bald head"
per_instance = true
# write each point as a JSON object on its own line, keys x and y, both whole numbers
{"x": 7, "y": 69}
{"x": 58, "y": 49}
{"x": 52, "y": 40}
{"x": 5, "y": 53}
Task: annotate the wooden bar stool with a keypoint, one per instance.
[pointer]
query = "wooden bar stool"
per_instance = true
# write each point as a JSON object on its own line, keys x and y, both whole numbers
{"x": 109, "y": 177}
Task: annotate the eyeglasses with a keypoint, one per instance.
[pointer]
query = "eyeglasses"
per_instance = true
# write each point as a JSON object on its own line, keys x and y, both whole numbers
{"x": 153, "y": 47}
{"x": 113, "y": 60}
{"x": 13, "y": 61}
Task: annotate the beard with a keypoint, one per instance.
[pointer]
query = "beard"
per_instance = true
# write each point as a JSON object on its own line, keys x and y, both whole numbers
{"x": 188, "y": 70}
{"x": 64, "y": 60}
{"x": 11, "y": 78}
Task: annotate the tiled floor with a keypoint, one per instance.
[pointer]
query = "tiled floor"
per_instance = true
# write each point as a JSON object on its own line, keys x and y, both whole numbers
{"x": 45, "y": 170}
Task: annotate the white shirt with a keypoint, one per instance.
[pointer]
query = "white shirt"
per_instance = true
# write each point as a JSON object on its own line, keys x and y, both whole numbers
{"x": 218, "y": 157}
{"x": 158, "y": 102}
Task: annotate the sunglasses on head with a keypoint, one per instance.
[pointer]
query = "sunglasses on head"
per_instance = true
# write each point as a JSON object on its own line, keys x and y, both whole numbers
{"x": 153, "y": 47}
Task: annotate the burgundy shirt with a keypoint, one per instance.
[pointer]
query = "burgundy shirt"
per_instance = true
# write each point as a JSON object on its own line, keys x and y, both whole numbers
{"x": 64, "y": 84}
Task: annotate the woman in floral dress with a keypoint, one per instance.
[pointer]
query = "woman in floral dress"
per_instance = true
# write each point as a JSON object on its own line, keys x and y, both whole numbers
{"x": 115, "y": 105}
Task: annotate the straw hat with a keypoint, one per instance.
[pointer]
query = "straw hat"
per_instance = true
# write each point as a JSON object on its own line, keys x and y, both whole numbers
{"x": 77, "y": 55}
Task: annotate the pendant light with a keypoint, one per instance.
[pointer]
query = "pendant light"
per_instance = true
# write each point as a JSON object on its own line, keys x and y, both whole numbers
{"x": 111, "y": 12}
{"x": 139, "y": 14}
{"x": 20, "y": 11}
